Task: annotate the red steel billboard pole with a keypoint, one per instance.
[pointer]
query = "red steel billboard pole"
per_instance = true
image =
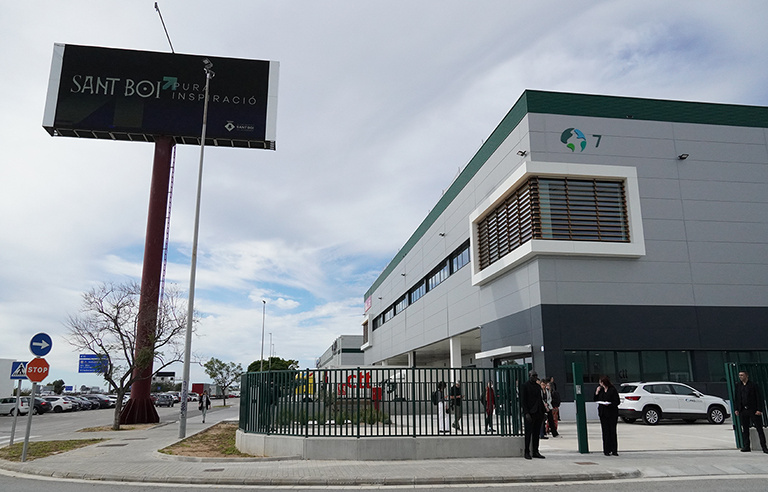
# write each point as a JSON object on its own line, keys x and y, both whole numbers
{"x": 140, "y": 409}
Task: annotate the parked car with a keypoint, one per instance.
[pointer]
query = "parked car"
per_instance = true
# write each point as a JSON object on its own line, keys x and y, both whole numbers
{"x": 41, "y": 406}
{"x": 102, "y": 400}
{"x": 162, "y": 400}
{"x": 76, "y": 404}
{"x": 663, "y": 400}
{"x": 59, "y": 404}
{"x": 85, "y": 403}
{"x": 192, "y": 396}
{"x": 8, "y": 406}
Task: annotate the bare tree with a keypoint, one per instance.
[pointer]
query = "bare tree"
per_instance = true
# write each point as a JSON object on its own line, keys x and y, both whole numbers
{"x": 106, "y": 327}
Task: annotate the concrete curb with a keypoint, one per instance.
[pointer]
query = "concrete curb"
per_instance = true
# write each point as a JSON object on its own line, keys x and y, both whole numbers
{"x": 312, "y": 481}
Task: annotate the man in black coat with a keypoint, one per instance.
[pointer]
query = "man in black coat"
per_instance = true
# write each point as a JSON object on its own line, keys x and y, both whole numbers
{"x": 533, "y": 412}
{"x": 747, "y": 403}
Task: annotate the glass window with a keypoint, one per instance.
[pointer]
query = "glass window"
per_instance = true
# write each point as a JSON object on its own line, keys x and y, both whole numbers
{"x": 572, "y": 356}
{"x": 628, "y": 364}
{"x": 716, "y": 365}
{"x": 658, "y": 389}
{"x": 654, "y": 365}
{"x": 602, "y": 363}
{"x": 679, "y": 366}
{"x": 418, "y": 291}
{"x": 438, "y": 275}
{"x": 401, "y": 304}
{"x": 742, "y": 357}
{"x": 460, "y": 259}
{"x": 679, "y": 389}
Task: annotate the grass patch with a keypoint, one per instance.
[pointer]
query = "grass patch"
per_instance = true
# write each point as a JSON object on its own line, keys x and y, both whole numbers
{"x": 42, "y": 449}
{"x": 215, "y": 442}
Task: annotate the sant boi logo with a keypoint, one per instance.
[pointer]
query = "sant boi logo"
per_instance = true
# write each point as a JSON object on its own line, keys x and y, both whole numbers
{"x": 573, "y": 138}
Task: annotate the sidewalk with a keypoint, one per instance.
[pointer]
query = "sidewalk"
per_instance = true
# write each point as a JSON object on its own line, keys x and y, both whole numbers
{"x": 674, "y": 450}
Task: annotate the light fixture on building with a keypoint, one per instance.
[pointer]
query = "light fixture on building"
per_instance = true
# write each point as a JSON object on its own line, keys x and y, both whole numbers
{"x": 682, "y": 157}
{"x": 402, "y": 274}
{"x": 522, "y": 153}
{"x": 441, "y": 234}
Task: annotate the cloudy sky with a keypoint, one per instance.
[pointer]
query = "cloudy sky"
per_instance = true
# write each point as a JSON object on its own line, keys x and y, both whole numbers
{"x": 381, "y": 104}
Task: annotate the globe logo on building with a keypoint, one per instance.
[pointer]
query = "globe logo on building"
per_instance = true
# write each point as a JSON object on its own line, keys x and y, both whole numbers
{"x": 572, "y": 137}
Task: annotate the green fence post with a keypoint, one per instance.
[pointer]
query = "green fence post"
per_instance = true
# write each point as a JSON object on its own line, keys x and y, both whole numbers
{"x": 581, "y": 409}
{"x": 732, "y": 380}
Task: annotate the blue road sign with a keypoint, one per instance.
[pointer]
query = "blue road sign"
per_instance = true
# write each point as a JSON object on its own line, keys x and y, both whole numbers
{"x": 91, "y": 363}
{"x": 19, "y": 370}
{"x": 40, "y": 345}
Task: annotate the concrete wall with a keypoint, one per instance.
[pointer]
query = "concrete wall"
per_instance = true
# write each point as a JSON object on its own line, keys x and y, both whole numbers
{"x": 384, "y": 448}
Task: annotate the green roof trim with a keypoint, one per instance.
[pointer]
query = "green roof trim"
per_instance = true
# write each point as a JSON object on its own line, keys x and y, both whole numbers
{"x": 596, "y": 106}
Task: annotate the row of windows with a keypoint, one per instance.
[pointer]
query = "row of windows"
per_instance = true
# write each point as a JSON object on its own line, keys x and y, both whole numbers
{"x": 655, "y": 365}
{"x": 629, "y": 366}
{"x": 436, "y": 276}
{"x": 554, "y": 208}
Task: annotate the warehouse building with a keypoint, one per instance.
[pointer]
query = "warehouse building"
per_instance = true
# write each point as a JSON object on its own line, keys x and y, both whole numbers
{"x": 628, "y": 234}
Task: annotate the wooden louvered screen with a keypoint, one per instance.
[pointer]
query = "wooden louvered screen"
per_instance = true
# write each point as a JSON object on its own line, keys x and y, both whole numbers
{"x": 566, "y": 209}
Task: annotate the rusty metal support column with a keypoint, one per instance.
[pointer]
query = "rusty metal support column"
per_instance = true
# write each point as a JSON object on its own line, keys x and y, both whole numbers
{"x": 140, "y": 409}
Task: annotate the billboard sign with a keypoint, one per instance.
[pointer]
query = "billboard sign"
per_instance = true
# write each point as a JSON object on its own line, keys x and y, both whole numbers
{"x": 118, "y": 94}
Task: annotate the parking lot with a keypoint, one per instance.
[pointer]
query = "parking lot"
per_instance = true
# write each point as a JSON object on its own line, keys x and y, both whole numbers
{"x": 665, "y": 436}
{"x": 51, "y": 426}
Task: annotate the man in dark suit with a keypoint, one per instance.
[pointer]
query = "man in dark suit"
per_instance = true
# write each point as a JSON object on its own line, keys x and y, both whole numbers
{"x": 747, "y": 407}
{"x": 533, "y": 412}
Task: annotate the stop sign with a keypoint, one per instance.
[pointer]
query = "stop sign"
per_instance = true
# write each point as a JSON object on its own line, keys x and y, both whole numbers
{"x": 37, "y": 370}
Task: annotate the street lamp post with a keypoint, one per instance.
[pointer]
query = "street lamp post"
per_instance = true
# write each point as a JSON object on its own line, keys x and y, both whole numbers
{"x": 191, "y": 303}
{"x": 263, "y": 317}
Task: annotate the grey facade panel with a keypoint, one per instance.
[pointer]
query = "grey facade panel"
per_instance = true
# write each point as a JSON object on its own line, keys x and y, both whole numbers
{"x": 705, "y": 223}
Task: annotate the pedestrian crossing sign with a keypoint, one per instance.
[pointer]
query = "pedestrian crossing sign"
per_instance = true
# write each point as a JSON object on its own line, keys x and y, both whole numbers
{"x": 19, "y": 370}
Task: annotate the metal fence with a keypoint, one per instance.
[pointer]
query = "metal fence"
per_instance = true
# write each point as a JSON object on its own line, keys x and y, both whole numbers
{"x": 757, "y": 373}
{"x": 368, "y": 402}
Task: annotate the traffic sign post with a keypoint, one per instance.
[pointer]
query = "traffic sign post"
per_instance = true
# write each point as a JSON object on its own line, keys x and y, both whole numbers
{"x": 40, "y": 345}
{"x": 18, "y": 372}
{"x": 92, "y": 363}
{"x": 37, "y": 370}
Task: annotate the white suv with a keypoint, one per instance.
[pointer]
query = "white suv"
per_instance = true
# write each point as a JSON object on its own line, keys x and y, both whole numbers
{"x": 655, "y": 401}
{"x": 8, "y": 406}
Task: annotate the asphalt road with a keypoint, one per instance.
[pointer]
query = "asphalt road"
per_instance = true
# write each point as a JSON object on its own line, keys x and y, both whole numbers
{"x": 13, "y": 482}
{"x": 51, "y": 425}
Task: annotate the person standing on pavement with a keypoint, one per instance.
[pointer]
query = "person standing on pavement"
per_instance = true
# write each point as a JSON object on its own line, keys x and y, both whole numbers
{"x": 607, "y": 398}
{"x": 533, "y": 411}
{"x": 489, "y": 402}
{"x": 553, "y": 409}
{"x": 205, "y": 404}
{"x": 455, "y": 396}
{"x": 747, "y": 407}
{"x": 443, "y": 417}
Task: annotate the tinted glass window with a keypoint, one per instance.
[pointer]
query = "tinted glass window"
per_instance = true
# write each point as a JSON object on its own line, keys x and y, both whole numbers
{"x": 627, "y": 389}
{"x": 682, "y": 390}
{"x": 658, "y": 389}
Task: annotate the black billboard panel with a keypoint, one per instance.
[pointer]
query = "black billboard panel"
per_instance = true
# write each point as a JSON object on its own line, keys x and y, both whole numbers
{"x": 118, "y": 94}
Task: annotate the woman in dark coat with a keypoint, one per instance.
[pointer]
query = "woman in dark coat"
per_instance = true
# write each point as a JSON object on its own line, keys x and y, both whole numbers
{"x": 608, "y": 409}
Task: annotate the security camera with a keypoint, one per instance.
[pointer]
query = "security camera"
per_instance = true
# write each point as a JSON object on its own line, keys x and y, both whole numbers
{"x": 207, "y": 63}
